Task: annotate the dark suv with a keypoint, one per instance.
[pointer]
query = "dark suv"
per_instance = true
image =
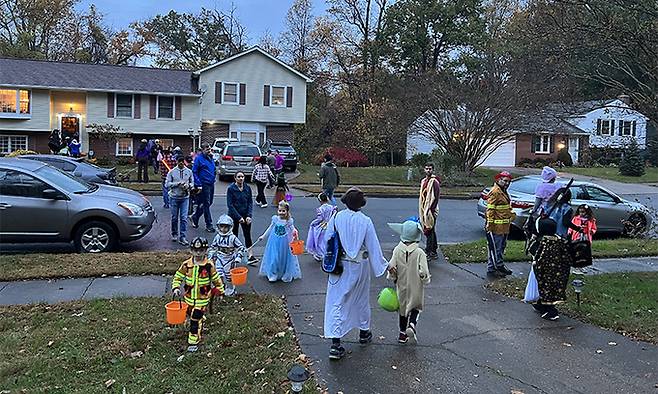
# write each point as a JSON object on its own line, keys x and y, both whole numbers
{"x": 285, "y": 148}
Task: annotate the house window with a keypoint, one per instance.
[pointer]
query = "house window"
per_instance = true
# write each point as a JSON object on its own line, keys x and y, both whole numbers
{"x": 14, "y": 102}
{"x": 543, "y": 144}
{"x": 124, "y": 105}
{"x": 10, "y": 143}
{"x": 165, "y": 107}
{"x": 278, "y": 96}
{"x": 167, "y": 143}
{"x": 124, "y": 147}
{"x": 605, "y": 126}
{"x": 230, "y": 93}
{"x": 627, "y": 128}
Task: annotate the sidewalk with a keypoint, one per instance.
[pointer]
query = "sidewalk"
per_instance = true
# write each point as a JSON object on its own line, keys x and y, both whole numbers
{"x": 471, "y": 340}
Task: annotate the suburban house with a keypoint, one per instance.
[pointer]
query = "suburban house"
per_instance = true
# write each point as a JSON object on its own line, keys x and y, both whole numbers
{"x": 251, "y": 96}
{"x": 540, "y": 135}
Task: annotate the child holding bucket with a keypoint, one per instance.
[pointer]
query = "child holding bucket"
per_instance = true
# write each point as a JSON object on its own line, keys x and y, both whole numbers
{"x": 408, "y": 268}
{"x": 278, "y": 262}
{"x": 196, "y": 275}
{"x": 226, "y": 251}
{"x": 315, "y": 243}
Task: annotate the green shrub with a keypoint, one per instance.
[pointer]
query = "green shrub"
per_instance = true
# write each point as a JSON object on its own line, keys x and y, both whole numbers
{"x": 419, "y": 160}
{"x": 564, "y": 156}
{"x": 632, "y": 163}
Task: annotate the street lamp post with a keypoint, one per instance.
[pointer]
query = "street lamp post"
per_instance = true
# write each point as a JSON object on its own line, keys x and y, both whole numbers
{"x": 194, "y": 134}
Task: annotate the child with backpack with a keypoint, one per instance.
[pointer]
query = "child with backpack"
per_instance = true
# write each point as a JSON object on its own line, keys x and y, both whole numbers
{"x": 278, "y": 262}
{"x": 315, "y": 243}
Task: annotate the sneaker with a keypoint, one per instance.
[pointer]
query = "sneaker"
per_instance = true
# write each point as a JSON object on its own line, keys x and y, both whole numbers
{"x": 174, "y": 238}
{"x": 192, "y": 348}
{"x": 193, "y": 223}
{"x": 317, "y": 258}
{"x": 183, "y": 242}
{"x": 432, "y": 256}
{"x": 229, "y": 291}
{"x": 551, "y": 315}
{"x": 495, "y": 274}
{"x": 336, "y": 352}
{"x": 365, "y": 339}
{"x": 210, "y": 229}
{"x": 505, "y": 270}
{"x": 264, "y": 205}
{"x": 411, "y": 332}
{"x": 403, "y": 338}
{"x": 252, "y": 260}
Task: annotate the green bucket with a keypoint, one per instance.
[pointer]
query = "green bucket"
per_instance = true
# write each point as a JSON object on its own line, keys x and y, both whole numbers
{"x": 388, "y": 299}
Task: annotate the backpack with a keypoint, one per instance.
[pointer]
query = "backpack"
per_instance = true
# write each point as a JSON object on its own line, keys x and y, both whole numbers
{"x": 331, "y": 263}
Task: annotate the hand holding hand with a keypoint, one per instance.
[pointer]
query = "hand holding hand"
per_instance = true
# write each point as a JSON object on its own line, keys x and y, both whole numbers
{"x": 392, "y": 270}
{"x": 176, "y": 292}
{"x": 241, "y": 220}
{"x": 248, "y": 220}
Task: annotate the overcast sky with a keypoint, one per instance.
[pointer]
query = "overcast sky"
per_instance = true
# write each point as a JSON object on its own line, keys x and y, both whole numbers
{"x": 258, "y": 16}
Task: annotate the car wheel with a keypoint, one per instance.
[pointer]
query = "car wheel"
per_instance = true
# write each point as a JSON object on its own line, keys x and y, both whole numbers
{"x": 95, "y": 237}
{"x": 636, "y": 225}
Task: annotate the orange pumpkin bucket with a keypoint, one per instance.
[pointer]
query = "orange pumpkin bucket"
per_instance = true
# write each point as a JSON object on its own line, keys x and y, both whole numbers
{"x": 297, "y": 247}
{"x": 176, "y": 312}
{"x": 239, "y": 275}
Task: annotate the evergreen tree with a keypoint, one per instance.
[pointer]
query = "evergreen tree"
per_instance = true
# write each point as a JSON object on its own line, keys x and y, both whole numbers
{"x": 632, "y": 163}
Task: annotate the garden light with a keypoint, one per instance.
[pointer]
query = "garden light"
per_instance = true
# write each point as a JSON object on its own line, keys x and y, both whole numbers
{"x": 297, "y": 376}
{"x": 578, "y": 286}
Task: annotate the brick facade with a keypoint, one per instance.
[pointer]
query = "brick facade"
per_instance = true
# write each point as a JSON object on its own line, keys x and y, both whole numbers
{"x": 211, "y": 131}
{"x": 524, "y": 147}
{"x": 280, "y": 133}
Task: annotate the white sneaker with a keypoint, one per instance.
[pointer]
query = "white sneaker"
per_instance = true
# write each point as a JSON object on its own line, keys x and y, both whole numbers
{"x": 192, "y": 348}
{"x": 263, "y": 205}
{"x": 229, "y": 291}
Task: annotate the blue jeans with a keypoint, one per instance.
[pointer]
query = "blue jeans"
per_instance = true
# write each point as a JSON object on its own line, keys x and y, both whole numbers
{"x": 496, "y": 244}
{"x": 205, "y": 201}
{"x": 178, "y": 208}
{"x": 165, "y": 194}
{"x": 329, "y": 192}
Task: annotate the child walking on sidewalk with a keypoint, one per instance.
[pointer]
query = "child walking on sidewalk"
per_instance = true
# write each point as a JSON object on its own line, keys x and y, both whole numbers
{"x": 226, "y": 251}
{"x": 315, "y": 243}
{"x": 278, "y": 261}
{"x": 408, "y": 268}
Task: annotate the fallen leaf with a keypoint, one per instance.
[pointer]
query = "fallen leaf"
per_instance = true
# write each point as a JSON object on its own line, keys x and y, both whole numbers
{"x": 381, "y": 337}
{"x": 105, "y": 319}
{"x": 515, "y": 391}
{"x": 418, "y": 380}
{"x": 209, "y": 354}
{"x": 599, "y": 351}
{"x": 280, "y": 334}
{"x": 485, "y": 299}
{"x": 109, "y": 383}
{"x": 179, "y": 359}
{"x": 394, "y": 367}
{"x": 476, "y": 375}
{"x": 259, "y": 371}
{"x": 50, "y": 343}
{"x": 77, "y": 314}
{"x": 136, "y": 354}
{"x": 301, "y": 357}
{"x": 566, "y": 344}
{"x": 612, "y": 343}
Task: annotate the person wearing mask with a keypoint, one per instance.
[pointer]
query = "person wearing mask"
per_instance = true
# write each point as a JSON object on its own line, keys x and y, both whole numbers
{"x": 179, "y": 183}
{"x": 428, "y": 204}
{"x": 204, "y": 177}
{"x": 142, "y": 156}
{"x": 499, "y": 216}
{"x": 330, "y": 177}
{"x": 240, "y": 208}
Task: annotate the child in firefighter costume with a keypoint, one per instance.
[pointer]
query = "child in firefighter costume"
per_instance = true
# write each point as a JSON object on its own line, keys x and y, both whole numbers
{"x": 226, "y": 251}
{"x": 196, "y": 274}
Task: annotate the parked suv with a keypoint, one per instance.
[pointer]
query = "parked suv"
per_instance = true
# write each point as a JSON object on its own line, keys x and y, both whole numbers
{"x": 40, "y": 203}
{"x": 285, "y": 148}
{"x": 238, "y": 156}
{"x": 78, "y": 167}
{"x": 218, "y": 147}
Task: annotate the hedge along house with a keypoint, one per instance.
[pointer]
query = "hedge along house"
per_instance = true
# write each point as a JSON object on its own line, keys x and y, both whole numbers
{"x": 148, "y": 103}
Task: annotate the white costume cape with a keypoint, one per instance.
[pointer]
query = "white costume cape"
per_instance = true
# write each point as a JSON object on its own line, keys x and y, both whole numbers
{"x": 347, "y": 305}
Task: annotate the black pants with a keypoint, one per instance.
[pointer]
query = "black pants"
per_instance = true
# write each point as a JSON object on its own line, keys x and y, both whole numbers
{"x": 260, "y": 198}
{"x": 405, "y": 320}
{"x": 543, "y": 308}
{"x": 143, "y": 171}
{"x": 246, "y": 230}
{"x": 431, "y": 246}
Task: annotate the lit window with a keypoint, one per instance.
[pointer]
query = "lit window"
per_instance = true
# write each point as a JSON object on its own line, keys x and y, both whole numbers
{"x": 278, "y": 98}
{"x": 124, "y": 147}
{"x": 124, "y": 105}
{"x": 14, "y": 102}
{"x": 10, "y": 143}
{"x": 165, "y": 107}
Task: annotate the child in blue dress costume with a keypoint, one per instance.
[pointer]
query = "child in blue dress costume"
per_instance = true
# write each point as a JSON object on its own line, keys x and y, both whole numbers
{"x": 278, "y": 261}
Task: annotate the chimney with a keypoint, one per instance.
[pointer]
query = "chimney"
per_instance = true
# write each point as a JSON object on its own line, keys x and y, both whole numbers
{"x": 624, "y": 98}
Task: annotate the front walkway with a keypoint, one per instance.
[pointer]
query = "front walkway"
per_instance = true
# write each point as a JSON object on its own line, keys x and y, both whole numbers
{"x": 471, "y": 340}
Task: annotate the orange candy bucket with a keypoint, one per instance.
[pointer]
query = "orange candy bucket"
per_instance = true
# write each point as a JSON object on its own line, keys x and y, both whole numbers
{"x": 239, "y": 275}
{"x": 297, "y": 247}
{"x": 176, "y": 312}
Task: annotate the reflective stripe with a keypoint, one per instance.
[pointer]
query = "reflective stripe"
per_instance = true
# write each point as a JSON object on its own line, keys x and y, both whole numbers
{"x": 499, "y": 207}
{"x": 195, "y": 287}
{"x": 499, "y": 221}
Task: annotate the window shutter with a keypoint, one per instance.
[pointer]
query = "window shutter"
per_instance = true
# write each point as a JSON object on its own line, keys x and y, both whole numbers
{"x": 289, "y": 97}
{"x": 178, "y": 107}
{"x": 533, "y": 145}
{"x": 110, "y": 105}
{"x": 218, "y": 92}
{"x": 266, "y": 95}
{"x": 243, "y": 94}
{"x": 551, "y": 147}
{"x": 633, "y": 128}
{"x": 621, "y": 128}
{"x": 152, "y": 104}
{"x": 138, "y": 106}
{"x": 612, "y": 127}
{"x": 598, "y": 127}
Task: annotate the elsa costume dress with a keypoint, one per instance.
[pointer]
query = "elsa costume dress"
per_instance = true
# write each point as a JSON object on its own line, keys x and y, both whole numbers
{"x": 278, "y": 261}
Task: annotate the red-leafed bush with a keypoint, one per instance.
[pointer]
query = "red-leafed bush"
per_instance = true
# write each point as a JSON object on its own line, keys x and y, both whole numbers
{"x": 344, "y": 157}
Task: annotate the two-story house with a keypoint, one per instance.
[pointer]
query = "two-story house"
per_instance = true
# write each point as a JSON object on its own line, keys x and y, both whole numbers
{"x": 250, "y": 96}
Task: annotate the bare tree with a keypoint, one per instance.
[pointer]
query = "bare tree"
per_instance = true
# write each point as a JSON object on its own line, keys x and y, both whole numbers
{"x": 269, "y": 45}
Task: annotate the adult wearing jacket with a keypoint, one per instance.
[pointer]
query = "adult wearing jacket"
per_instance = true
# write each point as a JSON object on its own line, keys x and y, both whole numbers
{"x": 179, "y": 182}
{"x": 204, "y": 177}
{"x": 428, "y": 209}
{"x": 240, "y": 208}
{"x": 499, "y": 217}
{"x": 330, "y": 177}
{"x": 143, "y": 155}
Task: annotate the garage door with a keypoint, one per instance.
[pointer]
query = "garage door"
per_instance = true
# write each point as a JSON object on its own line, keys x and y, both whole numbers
{"x": 504, "y": 156}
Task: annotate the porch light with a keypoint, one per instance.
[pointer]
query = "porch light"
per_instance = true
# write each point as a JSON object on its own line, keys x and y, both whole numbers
{"x": 578, "y": 286}
{"x": 297, "y": 376}
{"x": 561, "y": 145}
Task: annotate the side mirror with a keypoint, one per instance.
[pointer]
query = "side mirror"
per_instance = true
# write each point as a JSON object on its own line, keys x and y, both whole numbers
{"x": 52, "y": 194}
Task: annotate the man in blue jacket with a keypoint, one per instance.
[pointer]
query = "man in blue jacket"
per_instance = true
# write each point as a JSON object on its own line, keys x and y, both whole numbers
{"x": 204, "y": 173}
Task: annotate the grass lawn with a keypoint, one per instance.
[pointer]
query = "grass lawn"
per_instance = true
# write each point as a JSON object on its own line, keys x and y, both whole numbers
{"x": 476, "y": 252}
{"x": 612, "y": 173}
{"x": 125, "y": 345}
{"x": 44, "y": 265}
{"x": 373, "y": 190}
{"x": 623, "y": 302}
{"x": 143, "y": 187}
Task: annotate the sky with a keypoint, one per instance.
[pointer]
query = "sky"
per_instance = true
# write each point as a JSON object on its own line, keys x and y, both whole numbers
{"x": 259, "y": 16}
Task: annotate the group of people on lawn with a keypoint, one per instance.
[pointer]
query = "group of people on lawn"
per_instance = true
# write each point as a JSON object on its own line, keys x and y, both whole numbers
{"x": 347, "y": 304}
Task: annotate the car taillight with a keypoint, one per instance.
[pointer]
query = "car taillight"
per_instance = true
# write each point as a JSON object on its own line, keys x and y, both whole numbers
{"x": 227, "y": 157}
{"x": 256, "y": 158}
{"x": 484, "y": 196}
{"x": 521, "y": 204}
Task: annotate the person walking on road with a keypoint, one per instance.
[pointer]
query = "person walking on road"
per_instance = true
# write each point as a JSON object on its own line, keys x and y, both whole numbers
{"x": 240, "y": 208}
{"x": 143, "y": 156}
{"x": 330, "y": 177}
{"x": 179, "y": 183}
{"x": 278, "y": 162}
{"x": 428, "y": 204}
{"x": 499, "y": 216}
{"x": 261, "y": 175}
{"x": 167, "y": 163}
{"x": 204, "y": 177}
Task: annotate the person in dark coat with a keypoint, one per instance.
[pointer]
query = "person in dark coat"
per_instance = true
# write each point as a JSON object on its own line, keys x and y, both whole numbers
{"x": 143, "y": 156}
{"x": 240, "y": 208}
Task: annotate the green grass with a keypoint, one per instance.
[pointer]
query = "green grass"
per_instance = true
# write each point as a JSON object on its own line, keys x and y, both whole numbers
{"x": 623, "y": 302}
{"x": 476, "y": 252}
{"x": 612, "y": 173}
{"x": 77, "y": 347}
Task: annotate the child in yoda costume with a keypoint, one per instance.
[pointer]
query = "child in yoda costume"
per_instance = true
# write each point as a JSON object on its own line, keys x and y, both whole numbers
{"x": 408, "y": 268}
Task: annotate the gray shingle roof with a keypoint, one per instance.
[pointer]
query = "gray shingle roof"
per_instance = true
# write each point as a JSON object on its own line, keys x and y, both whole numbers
{"x": 99, "y": 77}
{"x": 546, "y": 122}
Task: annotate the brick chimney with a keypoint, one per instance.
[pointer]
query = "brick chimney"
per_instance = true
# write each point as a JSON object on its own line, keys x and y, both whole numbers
{"x": 624, "y": 98}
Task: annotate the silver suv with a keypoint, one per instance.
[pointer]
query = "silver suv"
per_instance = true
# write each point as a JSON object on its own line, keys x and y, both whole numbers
{"x": 39, "y": 203}
{"x": 238, "y": 156}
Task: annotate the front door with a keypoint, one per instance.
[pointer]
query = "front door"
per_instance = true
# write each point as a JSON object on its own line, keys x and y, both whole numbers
{"x": 574, "y": 148}
{"x": 70, "y": 127}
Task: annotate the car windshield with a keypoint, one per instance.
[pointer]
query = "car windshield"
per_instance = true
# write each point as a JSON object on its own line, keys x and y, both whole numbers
{"x": 64, "y": 181}
{"x": 242, "y": 150}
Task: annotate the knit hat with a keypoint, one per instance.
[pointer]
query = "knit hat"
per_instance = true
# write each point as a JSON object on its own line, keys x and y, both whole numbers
{"x": 354, "y": 199}
{"x": 503, "y": 174}
{"x": 410, "y": 231}
{"x": 548, "y": 174}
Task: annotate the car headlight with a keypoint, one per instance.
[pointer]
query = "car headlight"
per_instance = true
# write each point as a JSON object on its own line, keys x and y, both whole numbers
{"x": 133, "y": 209}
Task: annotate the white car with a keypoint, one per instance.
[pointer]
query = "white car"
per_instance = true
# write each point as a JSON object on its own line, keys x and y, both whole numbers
{"x": 218, "y": 146}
